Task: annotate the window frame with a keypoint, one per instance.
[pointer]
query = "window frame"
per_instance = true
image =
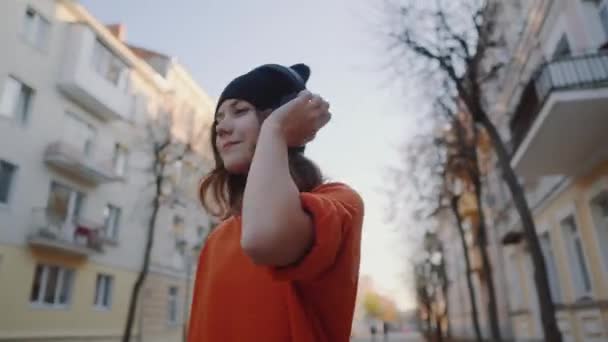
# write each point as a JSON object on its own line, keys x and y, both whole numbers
{"x": 11, "y": 185}
{"x": 33, "y": 38}
{"x": 62, "y": 273}
{"x": 551, "y": 266}
{"x": 120, "y": 150}
{"x": 574, "y": 272}
{"x": 105, "y": 282}
{"x": 597, "y": 189}
{"x": 110, "y": 208}
{"x": 24, "y": 116}
{"x": 173, "y": 299}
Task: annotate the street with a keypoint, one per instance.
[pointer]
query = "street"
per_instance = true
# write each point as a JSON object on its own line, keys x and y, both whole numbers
{"x": 393, "y": 337}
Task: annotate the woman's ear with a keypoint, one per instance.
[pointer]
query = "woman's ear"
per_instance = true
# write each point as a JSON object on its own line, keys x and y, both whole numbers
{"x": 303, "y": 70}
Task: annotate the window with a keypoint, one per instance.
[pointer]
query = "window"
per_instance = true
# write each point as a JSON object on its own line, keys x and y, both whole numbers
{"x": 599, "y": 210}
{"x": 79, "y": 134}
{"x": 563, "y": 48}
{"x": 52, "y": 286}
{"x": 576, "y": 256}
{"x": 103, "y": 291}
{"x": 64, "y": 204}
{"x": 119, "y": 159}
{"x": 109, "y": 66}
{"x": 604, "y": 17}
{"x": 514, "y": 277}
{"x": 111, "y": 221}
{"x": 545, "y": 245}
{"x": 35, "y": 29}
{"x": 7, "y": 176}
{"x": 178, "y": 224}
{"x": 16, "y": 100}
{"x": 172, "y": 308}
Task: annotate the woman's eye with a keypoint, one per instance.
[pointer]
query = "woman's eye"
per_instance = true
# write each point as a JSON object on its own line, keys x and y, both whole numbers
{"x": 242, "y": 110}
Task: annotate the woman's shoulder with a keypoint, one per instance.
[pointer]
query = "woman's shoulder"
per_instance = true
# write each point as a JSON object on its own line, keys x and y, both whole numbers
{"x": 341, "y": 192}
{"x": 222, "y": 228}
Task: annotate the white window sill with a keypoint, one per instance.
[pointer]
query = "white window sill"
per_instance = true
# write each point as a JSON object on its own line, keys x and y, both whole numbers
{"x": 40, "y": 306}
{"x": 100, "y": 308}
{"x": 174, "y": 324}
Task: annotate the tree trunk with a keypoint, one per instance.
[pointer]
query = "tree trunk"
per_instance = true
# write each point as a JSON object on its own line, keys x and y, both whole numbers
{"x": 486, "y": 266}
{"x": 189, "y": 262}
{"x": 444, "y": 290}
{"x": 438, "y": 330}
{"x": 547, "y": 309}
{"x": 465, "y": 251}
{"x": 126, "y": 337}
{"x": 482, "y": 240}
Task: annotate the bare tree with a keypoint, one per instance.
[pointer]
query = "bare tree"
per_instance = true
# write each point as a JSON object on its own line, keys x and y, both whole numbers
{"x": 452, "y": 43}
{"x": 171, "y": 138}
{"x": 425, "y": 186}
{"x": 463, "y": 143}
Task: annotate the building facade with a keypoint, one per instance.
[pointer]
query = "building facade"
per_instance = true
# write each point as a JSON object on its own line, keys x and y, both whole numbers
{"x": 551, "y": 104}
{"x": 75, "y": 191}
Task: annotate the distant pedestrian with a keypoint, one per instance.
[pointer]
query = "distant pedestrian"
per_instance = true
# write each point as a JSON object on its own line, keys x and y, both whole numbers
{"x": 373, "y": 332}
{"x": 283, "y": 264}
{"x": 385, "y": 329}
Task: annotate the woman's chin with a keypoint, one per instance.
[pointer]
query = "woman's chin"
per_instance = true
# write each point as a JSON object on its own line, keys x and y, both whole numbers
{"x": 237, "y": 168}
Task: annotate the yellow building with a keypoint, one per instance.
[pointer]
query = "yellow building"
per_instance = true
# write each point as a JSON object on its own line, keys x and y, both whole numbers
{"x": 74, "y": 196}
{"x": 551, "y": 105}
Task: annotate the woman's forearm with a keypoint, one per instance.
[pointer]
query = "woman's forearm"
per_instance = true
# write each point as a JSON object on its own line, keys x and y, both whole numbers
{"x": 275, "y": 229}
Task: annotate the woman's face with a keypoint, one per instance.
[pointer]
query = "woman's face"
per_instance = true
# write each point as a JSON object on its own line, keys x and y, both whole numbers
{"x": 237, "y": 129}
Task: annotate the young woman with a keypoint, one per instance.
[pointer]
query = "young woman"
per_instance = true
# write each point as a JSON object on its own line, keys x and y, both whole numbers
{"x": 284, "y": 263}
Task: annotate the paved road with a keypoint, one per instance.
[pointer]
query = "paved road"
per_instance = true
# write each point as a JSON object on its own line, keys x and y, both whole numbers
{"x": 409, "y": 337}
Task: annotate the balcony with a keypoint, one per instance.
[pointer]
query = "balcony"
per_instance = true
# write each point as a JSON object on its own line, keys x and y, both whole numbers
{"x": 562, "y": 118}
{"x": 69, "y": 159}
{"x": 105, "y": 97}
{"x": 77, "y": 237}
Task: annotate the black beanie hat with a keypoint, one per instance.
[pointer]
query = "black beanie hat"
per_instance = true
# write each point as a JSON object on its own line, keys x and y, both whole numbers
{"x": 267, "y": 86}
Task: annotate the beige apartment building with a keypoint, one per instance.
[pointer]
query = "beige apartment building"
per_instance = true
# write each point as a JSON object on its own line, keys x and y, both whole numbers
{"x": 551, "y": 104}
{"x": 75, "y": 192}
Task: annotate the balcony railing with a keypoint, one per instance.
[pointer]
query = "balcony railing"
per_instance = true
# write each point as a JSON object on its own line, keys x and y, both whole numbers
{"x": 570, "y": 73}
{"x": 78, "y": 237}
{"x": 64, "y": 156}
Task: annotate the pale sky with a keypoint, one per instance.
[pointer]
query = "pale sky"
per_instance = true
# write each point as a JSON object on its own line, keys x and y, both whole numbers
{"x": 217, "y": 40}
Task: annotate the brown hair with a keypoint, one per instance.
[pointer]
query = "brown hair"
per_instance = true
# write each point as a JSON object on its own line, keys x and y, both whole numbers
{"x": 221, "y": 192}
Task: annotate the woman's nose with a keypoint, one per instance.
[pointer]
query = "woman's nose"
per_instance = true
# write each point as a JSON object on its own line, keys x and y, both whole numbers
{"x": 224, "y": 127}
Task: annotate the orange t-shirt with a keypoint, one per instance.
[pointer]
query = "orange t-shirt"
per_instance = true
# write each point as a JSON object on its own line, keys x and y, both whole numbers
{"x": 237, "y": 300}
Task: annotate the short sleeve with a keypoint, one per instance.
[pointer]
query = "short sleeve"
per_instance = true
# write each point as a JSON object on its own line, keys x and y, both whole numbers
{"x": 336, "y": 210}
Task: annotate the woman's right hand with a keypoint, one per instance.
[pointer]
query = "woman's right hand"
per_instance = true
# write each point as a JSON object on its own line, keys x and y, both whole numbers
{"x": 298, "y": 120}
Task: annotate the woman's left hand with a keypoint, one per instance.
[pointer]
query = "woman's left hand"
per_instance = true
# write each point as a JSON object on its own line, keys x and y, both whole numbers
{"x": 298, "y": 120}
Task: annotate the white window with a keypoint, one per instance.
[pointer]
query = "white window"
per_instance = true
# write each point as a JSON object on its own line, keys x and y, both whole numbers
{"x": 64, "y": 204}
{"x": 79, "y": 134}
{"x": 103, "y": 291}
{"x": 16, "y": 100}
{"x": 52, "y": 286}
{"x": 599, "y": 210}
{"x": 111, "y": 221}
{"x": 35, "y": 28}
{"x": 576, "y": 257}
{"x": 172, "y": 307}
{"x": 547, "y": 249}
{"x": 562, "y": 49}
{"x": 7, "y": 177}
{"x": 109, "y": 66}
{"x": 514, "y": 276}
{"x": 119, "y": 159}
